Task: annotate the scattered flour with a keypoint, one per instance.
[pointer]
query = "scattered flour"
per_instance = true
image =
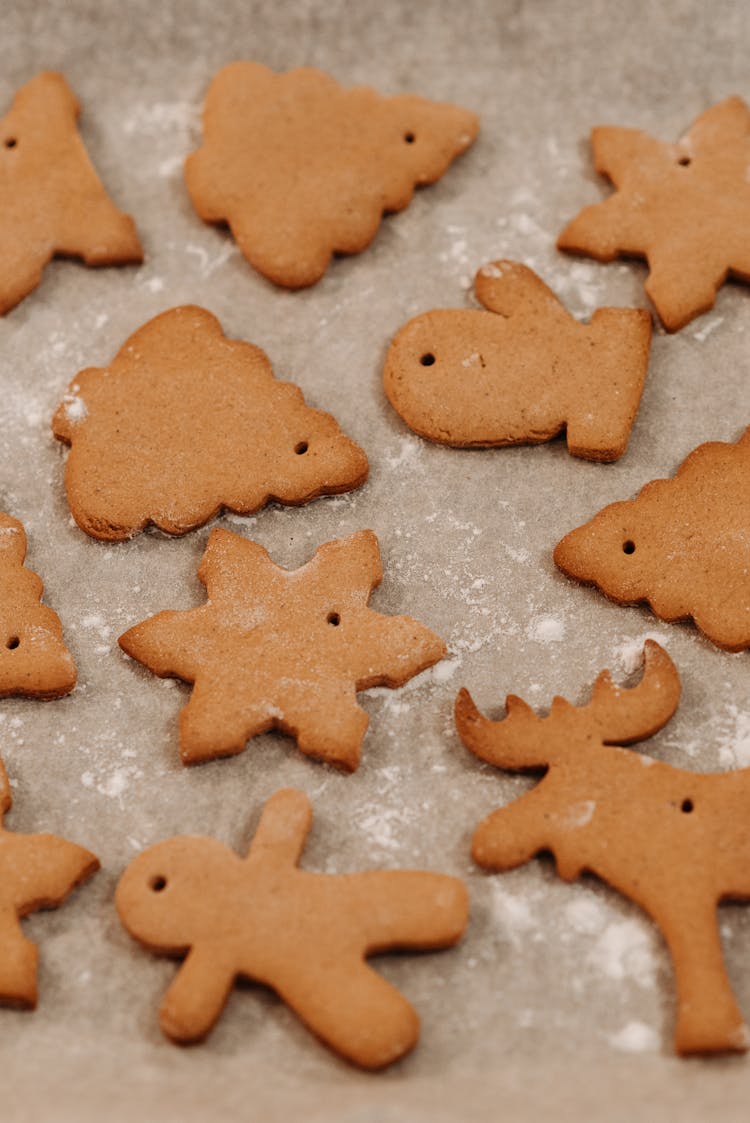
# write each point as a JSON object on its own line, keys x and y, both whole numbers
{"x": 734, "y": 748}
{"x": 513, "y": 914}
{"x": 635, "y": 1037}
{"x": 546, "y": 629}
{"x": 629, "y": 653}
{"x": 586, "y": 915}
{"x": 626, "y": 949}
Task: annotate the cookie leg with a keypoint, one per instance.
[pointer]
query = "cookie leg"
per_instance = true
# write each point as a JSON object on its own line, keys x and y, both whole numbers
{"x": 600, "y": 419}
{"x": 354, "y": 1011}
{"x": 18, "y": 965}
{"x": 197, "y": 996}
{"x": 708, "y": 1018}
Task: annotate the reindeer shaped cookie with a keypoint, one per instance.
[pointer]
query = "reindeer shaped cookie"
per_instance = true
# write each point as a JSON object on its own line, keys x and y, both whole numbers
{"x": 305, "y": 935}
{"x": 37, "y": 871}
{"x": 675, "y": 842}
{"x": 51, "y": 199}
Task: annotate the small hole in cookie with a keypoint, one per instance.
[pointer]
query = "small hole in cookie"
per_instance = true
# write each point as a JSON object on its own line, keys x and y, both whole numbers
{"x": 334, "y": 619}
{"x": 13, "y": 643}
{"x": 409, "y": 138}
{"x": 427, "y": 360}
{"x": 158, "y": 883}
{"x": 11, "y": 142}
{"x": 301, "y": 448}
{"x": 684, "y": 161}
{"x": 628, "y": 547}
{"x": 686, "y": 806}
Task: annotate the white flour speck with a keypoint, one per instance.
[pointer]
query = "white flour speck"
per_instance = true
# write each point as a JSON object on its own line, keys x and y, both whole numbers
{"x": 635, "y": 1037}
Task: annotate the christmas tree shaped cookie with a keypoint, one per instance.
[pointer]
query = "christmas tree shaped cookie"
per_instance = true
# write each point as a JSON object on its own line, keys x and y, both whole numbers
{"x": 682, "y": 545}
{"x": 522, "y": 371}
{"x": 37, "y": 871}
{"x": 685, "y": 207}
{"x": 306, "y": 935}
{"x": 273, "y": 649}
{"x": 34, "y": 661}
{"x": 184, "y": 422}
{"x": 301, "y": 168}
{"x": 675, "y": 842}
{"x": 51, "y": 200}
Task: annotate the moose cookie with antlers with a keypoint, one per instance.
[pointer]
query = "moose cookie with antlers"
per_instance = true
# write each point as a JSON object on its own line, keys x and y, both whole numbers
{"x": 521, "y": 371}
{"x": 305, "y": 935}
{"x": 52, "y": 202}
{"x": 37, "y": 871}
{"x": 675, "y": 842}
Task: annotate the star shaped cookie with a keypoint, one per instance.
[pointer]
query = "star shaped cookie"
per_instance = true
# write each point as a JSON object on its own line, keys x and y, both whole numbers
{"x": 685, "y": 207}
{"x": 274, "y": 649}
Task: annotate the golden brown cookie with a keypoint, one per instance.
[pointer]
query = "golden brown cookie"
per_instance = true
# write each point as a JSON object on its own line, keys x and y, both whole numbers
{"x": 521, "y": 372}
{"x": 51, "y": 200}
{"x": 305, "y": 935}
{"x": 274, "y": 649}
{"x": 681, "y": 545}
{"x": 184, "y": 422}
{"x": 677, "y": 843}
{"x": 685, "y": 207}
{"x": 34, "y": 661}
{"x": 37, "y": 871}
{"x": 301, "y": 168}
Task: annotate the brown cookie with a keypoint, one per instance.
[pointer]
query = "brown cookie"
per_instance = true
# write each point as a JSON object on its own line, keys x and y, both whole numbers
{"x": 521, "y": 372}
{"x": 273, "y": 649}
{"x": 34, "y": 661}
{"x": 685, "y": 207}
{"x": 184, "y": 422}
{"x": 305, "y": 935}
{"x": 301, "y": 168}
{"x": 37, "y": 871}
{"x": 681, "y": 545}
{"x": 675, "y": 842}
{"x": 51, "y": 200}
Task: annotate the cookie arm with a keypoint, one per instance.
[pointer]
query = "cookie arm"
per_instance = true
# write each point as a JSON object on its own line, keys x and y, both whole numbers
{"x": 197, "y": 996}
{"x": 409, "y": 909}
{"x": 511, "y": 289}
{"x": 283, "y": 829}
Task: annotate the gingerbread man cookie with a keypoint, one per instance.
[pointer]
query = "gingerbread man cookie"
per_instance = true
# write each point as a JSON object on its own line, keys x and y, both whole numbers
{"x": 681, "y": 545}
{"x": 34, "y": 661}
{"x": 184, "y": 422}
{"x": 273, "y": 649}
{"x": 37, "y": 871}
{"x": 306, "y": 935}
{"x": 675, "y": 842}
{"x": 301, "y": 168}
{"x": 51, "y": 200}
{"x": 522, "y": 371}
{"x": 685, "y": 207}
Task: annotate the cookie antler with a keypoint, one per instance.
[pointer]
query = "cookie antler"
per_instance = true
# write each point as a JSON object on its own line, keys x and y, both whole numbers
{"x": 614, "y": 716}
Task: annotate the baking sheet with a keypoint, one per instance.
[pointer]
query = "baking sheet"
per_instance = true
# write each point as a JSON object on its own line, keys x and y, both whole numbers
{"x": 559, "y": 1002}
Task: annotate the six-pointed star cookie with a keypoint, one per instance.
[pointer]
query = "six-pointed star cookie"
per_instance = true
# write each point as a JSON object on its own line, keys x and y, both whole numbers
{"x": 304, "y": 934}
{"x": 37, "y": 871}
{"x": 279, "y": 649}
{"x": 685, "y": 207}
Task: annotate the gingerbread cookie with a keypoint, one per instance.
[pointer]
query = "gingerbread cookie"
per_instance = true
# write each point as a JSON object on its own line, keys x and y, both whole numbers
{"x": 51, "y": 200}
{"x": 184, "y": 422}
{"x": 306, "y": 935}
{"x": 521, "y": 372}
{"x": 681, "y": 545}
{"x": 37, "y": 871}
{"x": 675, "y": 842}
{"x": 685, "y": 207}
{"x": 34, "y": 661}
{"x": 301, "y": 168}
{"x": 273, "y": 649}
